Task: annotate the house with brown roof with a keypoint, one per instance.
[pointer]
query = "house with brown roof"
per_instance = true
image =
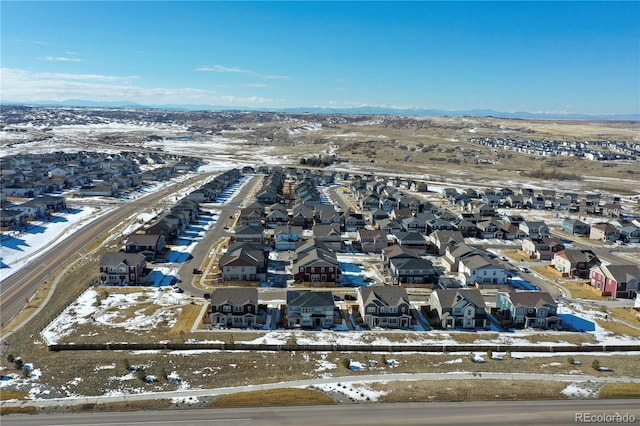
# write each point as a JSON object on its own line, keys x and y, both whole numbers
{"x": 604, "y": 232}
{"x": 542, "y": 248}
{"x": 384, "y": 306}
{"x": 574, "y": 262}
{"x": 528, "y": 309}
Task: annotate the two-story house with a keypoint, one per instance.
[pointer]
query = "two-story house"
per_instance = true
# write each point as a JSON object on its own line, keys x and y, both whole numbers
{"x": 477, "y": 269}
{"x": 384, "y": 306}
{"x": 534, "y": 229}
{"x": 575, "y": 227}
{"x": 310, "y": 309}
{"x": 372, "y": 241}
{"x": 528, "y": 309}
{"x": 604, "y": 232}
{"x": 459, "y": 308}
{"x": 149, "y": 245}
{"x": 574, "y": 262}
{"x": 412, "y": 271}
{"x": 541, "y": 248}
{"x": 118, "y": 268}
{"x": 617, "y": 281}
{"x": 234, "y": 307}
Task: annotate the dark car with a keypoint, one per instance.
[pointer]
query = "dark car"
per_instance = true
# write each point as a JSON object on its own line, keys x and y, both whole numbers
{"x": 350, "y": 297}
{"x": 197, "y": 271}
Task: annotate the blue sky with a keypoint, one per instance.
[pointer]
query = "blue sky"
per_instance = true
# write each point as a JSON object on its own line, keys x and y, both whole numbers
{"x": 509, "y": 56}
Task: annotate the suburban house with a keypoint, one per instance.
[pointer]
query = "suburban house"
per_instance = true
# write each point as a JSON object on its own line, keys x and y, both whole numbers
{"x": 250, "y": 216}
{"x": 249, "y": 234}
{"x": 541, "y": 248}
{"x": 446, "y": 238}
{"x": 574, "y": 262}
{"x": 453, "y": 255}
{"x": 477, "y": 269}
{"x": 575, "y": 227}
{"x": 630, "y": 233}
{"x": 286, "y": 237}
{"x": 316, "y": 265}
{"x": 489, "y": 229}
{"x": 119, "y": 268}
{"x": 617, "y": 281}
{"x": 459, "y": 308}
{"x": 310, "y": 309}
{"x": 384, "y": 306}
{"x": 412, "y": 271}
{"x": 234, "y": 307}
{"x": 243, "y": 262}
{"x": 372, "y": 241}
{"x": 329, "y": 234}
{"x": 604, "y": 232}
{"x": 397, "y": 252}
{"x": 528, "y": 309}
{"x": 412, "y": 240}
{"x": 10, "y": 218}
{"x": 534, "y": 229}
{"x": 149, "y": 245}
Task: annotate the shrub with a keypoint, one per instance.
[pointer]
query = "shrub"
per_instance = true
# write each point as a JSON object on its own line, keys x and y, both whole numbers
{"x": 10, "y": 358}
{"x": 596, "y": 364}
{"x": 346, "y": 362}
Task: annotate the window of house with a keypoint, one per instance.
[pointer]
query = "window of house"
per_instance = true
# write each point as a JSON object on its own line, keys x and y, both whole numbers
{"x": 322, "y": 269}
{"x": 238, "y": 308}
{"x": 301, "y": 269}
{"x": 226, "y": 308}
{"x": 371, "y": 309}
{"x": 393, "y": 310}
{"x": 306, "y": 310}
{"x": 382, "y": 310}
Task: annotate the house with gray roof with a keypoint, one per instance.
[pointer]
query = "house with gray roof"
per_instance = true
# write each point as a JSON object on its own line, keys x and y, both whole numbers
{"x": 310, "y": 309}
{"x": 384, "y": 306}
{"x": 459, "y": 308}
{"x": 528, "y": 309}
{"x": 119, "y": 268}
{"x": 412, "y": 271}
{"x": 234, "y": 307}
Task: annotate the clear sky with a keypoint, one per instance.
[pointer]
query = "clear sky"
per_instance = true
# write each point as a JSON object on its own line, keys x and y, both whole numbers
{"x": 509, "y": 56}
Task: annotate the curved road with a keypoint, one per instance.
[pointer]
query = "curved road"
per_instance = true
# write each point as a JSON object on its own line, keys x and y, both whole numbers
{"x": 17, "y": 289}
{"x": 552, "y": 412}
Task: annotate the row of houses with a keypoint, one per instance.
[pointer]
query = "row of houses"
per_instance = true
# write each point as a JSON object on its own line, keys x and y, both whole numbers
{"x": 89, "y": 173}
{"x": 592, "y": 150}
{"x": 129, "y": 267}
{"x": 387, "y": 307}
{"x": 18, "y": 215}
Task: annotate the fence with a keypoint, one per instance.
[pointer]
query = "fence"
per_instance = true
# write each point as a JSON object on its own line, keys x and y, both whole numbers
{"x": 339, "y": 347}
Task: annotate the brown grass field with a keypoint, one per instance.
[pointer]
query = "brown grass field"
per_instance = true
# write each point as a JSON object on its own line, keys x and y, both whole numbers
{"x": 620, "y": 390}
{"x": 469, "y": 390}
{"x": 272, "y": 398}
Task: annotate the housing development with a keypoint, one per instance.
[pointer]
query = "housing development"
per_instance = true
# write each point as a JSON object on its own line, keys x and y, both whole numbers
{"x": 323, "y": 246}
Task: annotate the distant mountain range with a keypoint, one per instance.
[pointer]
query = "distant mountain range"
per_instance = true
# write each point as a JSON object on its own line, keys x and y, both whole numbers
{"x": 354, "y": 110}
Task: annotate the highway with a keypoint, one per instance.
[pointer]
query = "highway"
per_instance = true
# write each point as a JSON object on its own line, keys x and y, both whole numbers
{"x": 551, "y": 412}
{"x": 17, "y": 289}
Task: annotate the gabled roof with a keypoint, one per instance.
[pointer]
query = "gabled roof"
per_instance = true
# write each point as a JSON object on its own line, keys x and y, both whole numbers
{"x": 383, "y": 295}
{"x": 412, "y": 263}
{"x": 576, "y": 256}
{"x": 621, "y": 273}
{"x": 234, "y": 296}
{"x": 116, "y": 258}
{"x": 531, "y": 299}
{"x": 450, "y": 297}
{"x": 396, "y": 251}
{"x": 310, "y": 299}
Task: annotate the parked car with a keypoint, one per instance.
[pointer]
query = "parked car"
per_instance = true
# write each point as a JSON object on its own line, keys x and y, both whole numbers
{"x": 350, "y": 297}
{"x": 197, "y": 271}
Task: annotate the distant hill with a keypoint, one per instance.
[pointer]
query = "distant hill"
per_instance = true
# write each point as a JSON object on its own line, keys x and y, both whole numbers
{"x": 354, "y": 110}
